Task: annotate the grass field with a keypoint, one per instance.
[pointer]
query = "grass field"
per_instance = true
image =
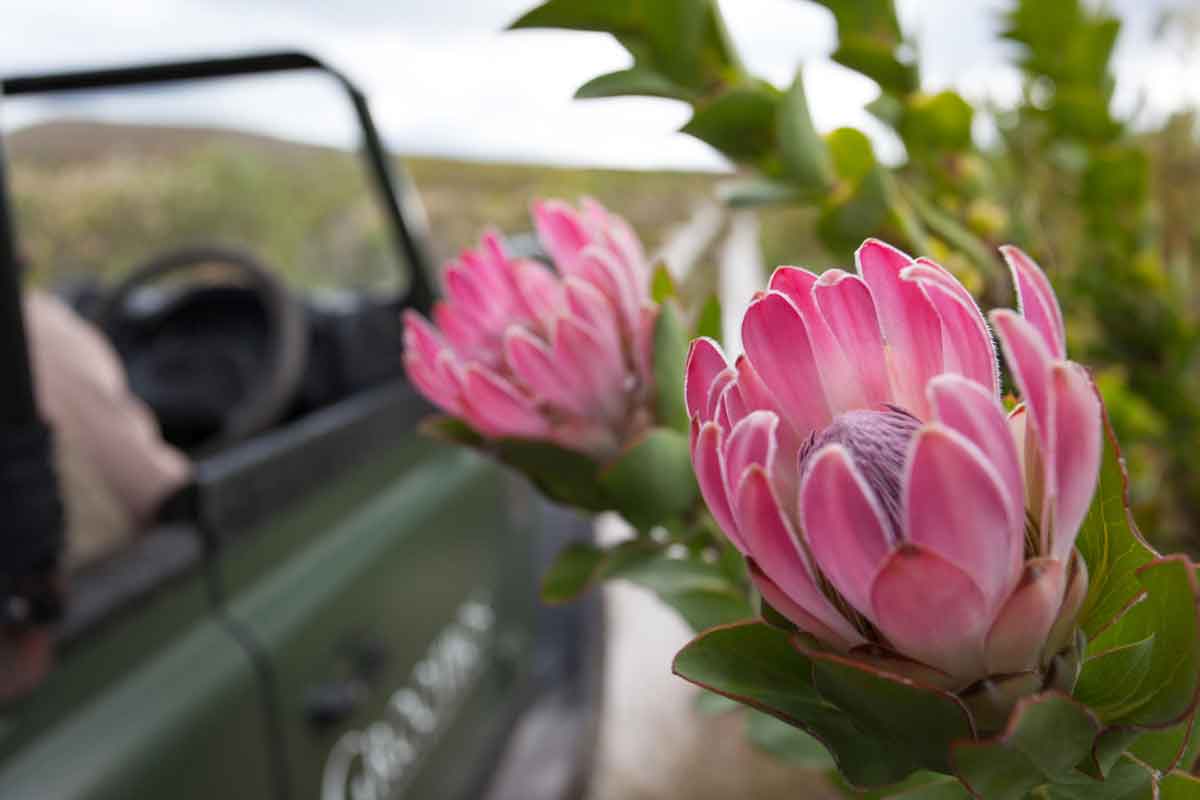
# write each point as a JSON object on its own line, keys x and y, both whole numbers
{"x": 97, "y": 199}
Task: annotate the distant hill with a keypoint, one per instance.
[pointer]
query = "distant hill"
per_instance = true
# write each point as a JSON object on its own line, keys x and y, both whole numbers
{"x": 71, "y": 141}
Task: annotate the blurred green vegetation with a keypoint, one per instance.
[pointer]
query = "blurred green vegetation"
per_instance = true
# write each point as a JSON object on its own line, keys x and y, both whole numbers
{"x": 96, "y": 199}
{"x": 1109, "y": 211}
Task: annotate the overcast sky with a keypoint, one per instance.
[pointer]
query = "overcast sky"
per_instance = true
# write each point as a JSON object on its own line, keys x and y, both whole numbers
{"x": 444, "y": 78}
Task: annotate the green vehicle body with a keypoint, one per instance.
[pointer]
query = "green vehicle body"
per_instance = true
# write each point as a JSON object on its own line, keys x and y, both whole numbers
{"x": 341, "y": 608}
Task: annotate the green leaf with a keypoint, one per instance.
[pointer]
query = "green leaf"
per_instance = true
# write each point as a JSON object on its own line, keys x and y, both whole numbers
{"x": 739, "y": 122}
{"x": 917, "y": 722}
{"x": 451, "y": 430}
{"x": 637, "y": 80}
{"x": 1128, "y": 780}
{"x": 787, "y": 743}
{"x": 853, "y": 157}
{"x": 580, "y": 565}
{"x": 1172, "y": 747}
{"x": 805, "y": 156}
{"x": 1110, "y": 543}
{"x": 698, "y": 590}
{"x": 757, "y": 665}
{"x": 1168, "y": 616}
{"x": 585, "y": 15}
{"x": 574, "y": 569}
{"x": 887, "y": 108}
{"x": 1111, "y": 683}
{"x": 941, "y": 789}
{"x": 1047, "y": 735}
{"x": 858, "y": 213}
{"x": 868, "y": 38}
{"x": 1107, "y": 751}
{"x": 936, "y": 123}
{"x": 652, "y": 482}
{"x": 670, "y": 357}
{"x": 711, "y": 704}
{"x": 662, "y": 285}
{"x": 564, "y": 476}
{"x": 877, "y": 60}
{"x": 755, "y": 192}
{"x": 708, "y": 321}
{"x": 1179, "y": 785}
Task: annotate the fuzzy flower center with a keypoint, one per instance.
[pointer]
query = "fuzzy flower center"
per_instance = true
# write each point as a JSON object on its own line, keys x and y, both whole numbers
{"x": 878, "y": 445}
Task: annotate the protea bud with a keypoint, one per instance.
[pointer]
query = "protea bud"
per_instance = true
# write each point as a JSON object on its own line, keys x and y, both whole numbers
{"x": 518, "y": 350}
{"x": 860, "y": 457}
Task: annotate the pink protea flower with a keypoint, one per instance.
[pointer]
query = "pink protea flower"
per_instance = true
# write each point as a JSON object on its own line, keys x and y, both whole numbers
{"x": 860, "y": 456}
{"x": 518, "y": 350}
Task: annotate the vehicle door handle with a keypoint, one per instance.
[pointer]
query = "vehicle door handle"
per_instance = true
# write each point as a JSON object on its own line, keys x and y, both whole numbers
{"x": 333, "y": 701}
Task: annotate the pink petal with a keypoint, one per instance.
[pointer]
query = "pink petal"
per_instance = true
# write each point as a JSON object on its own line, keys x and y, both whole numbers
{"x": 465, "y": 336}
{"x": 967, "y": 343}
{"x": 1015, "y": 641}
{"x": 561, "y": 232}
{"x": 840, "y": 380}
{"x": 600, "y": 370}
{"x": 843, "y": 524}
{"x": 711, "y": 403}
{"x": 955, "y": 506}
{"x": 706, "y": 460}
{"x": 423, "y": 347}
{"x": 704, "y": 362}
{"x": 1036, "y": 300}
{"x": 540, "y": 290}
{"x": 590, "y": 306}
{"x": 751, "y": 442}
{"x": 845, "y": 302}
{"x": 1077, "y": 452}
{"x": 931, "y": 610}
{"x": 800, "y": 616}
{"x": 622, "y": 241}
{"x": 795, "y": 284}
{"x": 534, "y": 365}
{"x": 775, "y": 550}
{"x": 642, "y": 343}
{"x": 777, "y": 344}
{"x": 601, "y": 268}
{"x": 911, "y": 326}
{"x": 1029, "y": 361}
{"x": 965, "y": 406}
{"x": 496, "y": 408}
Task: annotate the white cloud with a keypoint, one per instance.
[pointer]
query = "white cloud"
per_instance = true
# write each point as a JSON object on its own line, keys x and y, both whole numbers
{"x": 444, "y": 79}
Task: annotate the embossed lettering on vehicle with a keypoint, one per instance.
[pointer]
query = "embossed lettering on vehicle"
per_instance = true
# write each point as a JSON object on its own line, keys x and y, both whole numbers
{"x": 378, "y": 762}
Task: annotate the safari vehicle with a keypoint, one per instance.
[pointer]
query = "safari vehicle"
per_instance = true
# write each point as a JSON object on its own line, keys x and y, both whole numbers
{"x": 334, "y": 606}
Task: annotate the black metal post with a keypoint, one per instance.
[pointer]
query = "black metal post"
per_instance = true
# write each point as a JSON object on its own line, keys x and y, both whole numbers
{"x": 31, "y": 538}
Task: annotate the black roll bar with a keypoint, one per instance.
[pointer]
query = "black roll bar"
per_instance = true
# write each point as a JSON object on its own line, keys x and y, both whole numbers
{"x": 402, "y": 206}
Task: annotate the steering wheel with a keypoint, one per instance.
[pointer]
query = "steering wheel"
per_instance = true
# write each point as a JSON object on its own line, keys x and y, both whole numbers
{"x": 217, "y": 361}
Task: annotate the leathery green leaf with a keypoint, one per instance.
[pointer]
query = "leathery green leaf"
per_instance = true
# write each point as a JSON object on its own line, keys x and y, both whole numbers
{"x": 786, "y": 742}
{"x": 917, "y": 722}
{"x": 652, "y": 482}
{"x": 1163, "y": 688}
{"x": 708, "y": 321}
{"x": 1179, "y": 785}
{"x": 805, "y": 154}
{"x": 581, "y": 565}
{"x": 1129, "y": 779}
{"x": 670, "y": 357}
{"x": 1110, "y": 543}
{"x": 565, "y": 476}
{"x": 758, "y": 665}
{"x": 1047, "y": 735}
